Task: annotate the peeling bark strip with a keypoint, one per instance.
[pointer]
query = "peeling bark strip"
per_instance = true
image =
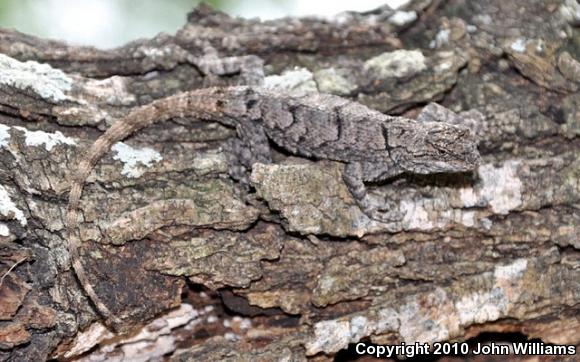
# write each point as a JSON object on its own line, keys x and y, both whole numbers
{"x": 251, "y": 160}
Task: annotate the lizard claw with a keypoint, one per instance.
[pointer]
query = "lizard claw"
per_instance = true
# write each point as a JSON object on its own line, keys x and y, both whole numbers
{"x": 387, "y": 214}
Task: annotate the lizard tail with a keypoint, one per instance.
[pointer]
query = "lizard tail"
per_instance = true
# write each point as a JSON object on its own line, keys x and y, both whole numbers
{"x": 195, "y": 103}
{"x": 74, "y": 246}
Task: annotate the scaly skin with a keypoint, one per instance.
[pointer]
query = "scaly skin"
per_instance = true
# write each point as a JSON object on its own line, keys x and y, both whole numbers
{"x": 374, "y": 146}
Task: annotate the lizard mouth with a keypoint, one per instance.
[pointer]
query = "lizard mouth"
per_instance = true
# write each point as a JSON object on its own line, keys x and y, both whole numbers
{"x": 443, "y": 148}
{"x": 432, "y": 147}
{"x": 454, "y": 148}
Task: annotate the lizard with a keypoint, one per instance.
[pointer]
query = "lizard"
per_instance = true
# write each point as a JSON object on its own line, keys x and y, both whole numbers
{"x": 373, "y": 146}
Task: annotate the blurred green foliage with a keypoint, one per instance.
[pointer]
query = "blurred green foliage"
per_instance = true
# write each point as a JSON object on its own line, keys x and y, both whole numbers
{"x": 126, "y": 20}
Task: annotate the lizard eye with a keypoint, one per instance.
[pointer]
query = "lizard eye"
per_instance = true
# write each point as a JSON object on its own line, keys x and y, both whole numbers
{"x": 251, "y": 103}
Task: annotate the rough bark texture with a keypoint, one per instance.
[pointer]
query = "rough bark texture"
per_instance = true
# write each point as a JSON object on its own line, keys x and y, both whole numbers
{"x": 281, "y": 262}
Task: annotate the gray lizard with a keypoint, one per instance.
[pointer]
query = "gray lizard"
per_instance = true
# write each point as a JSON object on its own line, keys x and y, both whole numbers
{"x": 373, "y": 146}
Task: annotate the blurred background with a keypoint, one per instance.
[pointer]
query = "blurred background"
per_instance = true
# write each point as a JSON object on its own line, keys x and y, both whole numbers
{"x": 111, "y": 23}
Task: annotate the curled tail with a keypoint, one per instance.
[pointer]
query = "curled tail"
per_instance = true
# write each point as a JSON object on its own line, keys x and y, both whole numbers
{"x": 207, "y": 102}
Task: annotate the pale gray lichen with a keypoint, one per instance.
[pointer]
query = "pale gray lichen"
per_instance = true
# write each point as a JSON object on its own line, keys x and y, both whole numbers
{"x": 332, "y": 81}
{"x": 419, "y": 319}
{"x": 441, "y": 38}
{"x": 245, "y": 323}
{"x": 482, "y": 19}
{"x": 156, "y": 54}
{"x": 468, "y": 218}
{"x": 443, "y": 67}
{"x": 8, "y": 207}
{"x": 481, "y": 307}
{"x": 509, "y": 277}
{"x": 511, "y": 271}
{"x": 398, "y": 64}
{"x": 298, "y": 81}
{"x": 569, "y": 67}
{"x": 401, "y": 17}
{"x": 501, "y": 188}
{"x": 232, "y": 337}
{"x": 492, "y": 304}
{"x": 570, "y": 11}
{"x": 42, "y": 79}
{"x": 519, "y": 45}
{"x": 388, "y": 320}
{"x": 4, "y": 231}
{"x": 49, "y": 140}
{"x": 359, "y": 327}
{"x": 313, "y": 199}
{"x": 4, "y": 135}
{"x": 415, "y": 217}
{"x": 320, "y": 208}
{"x": 330, "y": 335}
{"x": 431, "y": 316}
{"x": 131, "y": 157}
{"x": 428, "y": 213}
{"x": 487, "y": 223}
{"x": 210, "y": 162}
{"x": 112, "y": 90}
{"x": 428, "y": 318}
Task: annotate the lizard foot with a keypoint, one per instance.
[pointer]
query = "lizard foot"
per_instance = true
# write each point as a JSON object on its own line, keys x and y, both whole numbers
{"x": 375, "y": 207}
{"x": 387, "y": 212}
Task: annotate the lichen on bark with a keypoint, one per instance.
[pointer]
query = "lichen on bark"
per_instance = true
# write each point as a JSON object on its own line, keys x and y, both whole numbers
{"x": 204, "y": 258}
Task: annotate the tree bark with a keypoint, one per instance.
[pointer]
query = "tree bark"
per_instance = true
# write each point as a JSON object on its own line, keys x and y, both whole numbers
{"x": 199, "y": 266}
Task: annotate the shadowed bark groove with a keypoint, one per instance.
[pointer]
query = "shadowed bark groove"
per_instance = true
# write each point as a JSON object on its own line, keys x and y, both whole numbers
{"x": 203, "y": 249}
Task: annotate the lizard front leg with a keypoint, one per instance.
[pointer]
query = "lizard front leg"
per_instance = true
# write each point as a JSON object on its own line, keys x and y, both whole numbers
{"x": 377, "y": 209}
{"x": 249, "y": 147}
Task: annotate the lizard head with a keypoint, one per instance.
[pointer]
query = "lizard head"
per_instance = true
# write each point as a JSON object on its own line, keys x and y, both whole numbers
{"x": 433, "y": 147}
